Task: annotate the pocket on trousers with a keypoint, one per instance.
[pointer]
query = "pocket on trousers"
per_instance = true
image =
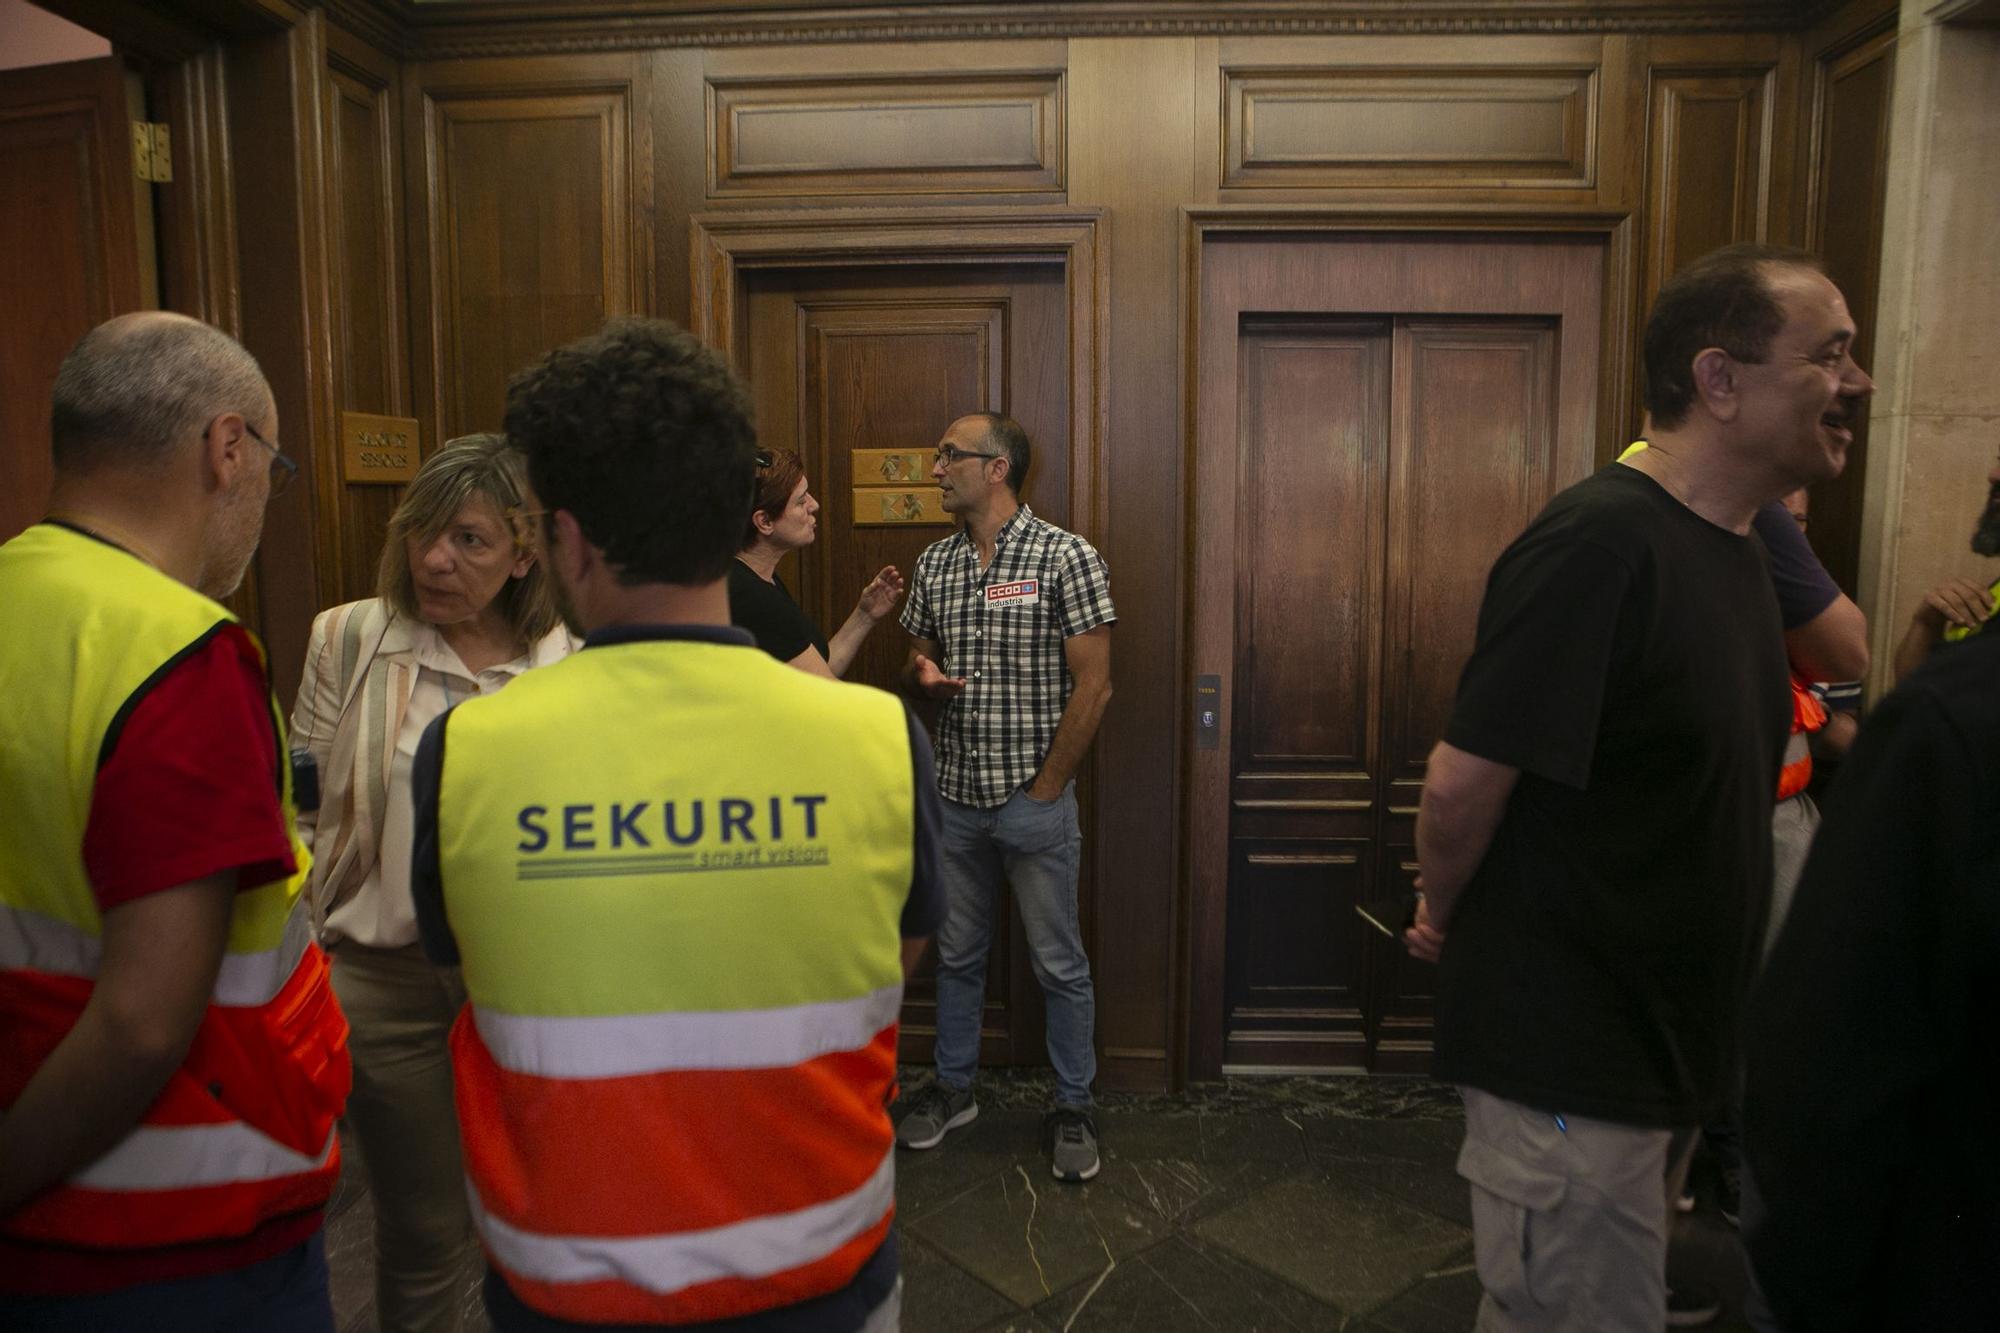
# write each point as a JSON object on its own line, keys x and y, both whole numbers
{"x": 1512, "y": 1206}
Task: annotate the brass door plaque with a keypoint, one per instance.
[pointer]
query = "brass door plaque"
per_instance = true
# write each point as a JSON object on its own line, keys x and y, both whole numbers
{"x": 377, "y": 450}
{"x": 874, "y": 507}
{"x": 892, "y": 467}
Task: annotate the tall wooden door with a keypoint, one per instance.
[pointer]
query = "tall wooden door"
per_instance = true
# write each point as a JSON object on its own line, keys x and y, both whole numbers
{"x": 1378, "y": 418}
{"x": 69, "y": 257}
{"x": 860, "y": 370}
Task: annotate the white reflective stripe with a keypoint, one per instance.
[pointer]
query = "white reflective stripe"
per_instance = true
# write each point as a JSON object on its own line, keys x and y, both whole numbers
{"x": 754, "y": 1248}
{"x": 45, "y": 944}
{"x": 620, "y": 1045}
{"x": 166, "y": 1157}
{"x": 250, "y": 979}
{"x": 1797, "y": 747}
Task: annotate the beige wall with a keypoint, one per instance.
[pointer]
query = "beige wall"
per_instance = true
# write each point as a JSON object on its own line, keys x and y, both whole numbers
{"x": 1936, "y": 427}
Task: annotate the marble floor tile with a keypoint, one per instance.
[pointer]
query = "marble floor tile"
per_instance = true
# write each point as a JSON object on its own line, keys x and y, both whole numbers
{"x": 941, "y": 1297}
{"x": 1181, "y": 1284}
{"x": 1344, "y": 1243}
{"x": 1029, "y": 1236}
{"x": 1411, "y": 1160}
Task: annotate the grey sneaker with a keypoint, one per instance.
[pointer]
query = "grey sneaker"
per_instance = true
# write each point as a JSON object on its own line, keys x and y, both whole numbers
{"x": 1069, "y": 1136}
{"x": 935, "y": 1111}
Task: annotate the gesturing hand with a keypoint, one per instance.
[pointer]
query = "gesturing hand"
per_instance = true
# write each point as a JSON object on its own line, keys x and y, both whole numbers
{"x": 934, "y": 682}
{"x": 879, "y": 597}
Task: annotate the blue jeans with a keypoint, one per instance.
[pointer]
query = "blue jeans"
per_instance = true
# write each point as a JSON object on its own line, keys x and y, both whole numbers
{"x": 286, "y": 1293}
{"x": 1036, "y": 847}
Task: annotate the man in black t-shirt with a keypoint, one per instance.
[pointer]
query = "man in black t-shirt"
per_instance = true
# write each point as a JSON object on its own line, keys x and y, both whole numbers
{"x": 1595, "y": 830}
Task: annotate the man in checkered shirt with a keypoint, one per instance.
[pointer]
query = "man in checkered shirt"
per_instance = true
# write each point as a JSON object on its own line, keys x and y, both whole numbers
{"x": 1012, "y": 619}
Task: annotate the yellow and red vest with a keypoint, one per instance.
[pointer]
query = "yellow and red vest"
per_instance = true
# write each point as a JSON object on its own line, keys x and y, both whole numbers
{"x": 243, "y": 1132}
{"x": 1808, "y": 716}
{"x": 675, "y": 871}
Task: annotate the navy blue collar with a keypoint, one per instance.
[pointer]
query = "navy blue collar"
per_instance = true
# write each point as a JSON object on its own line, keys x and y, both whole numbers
{"x": 612, "y": 635}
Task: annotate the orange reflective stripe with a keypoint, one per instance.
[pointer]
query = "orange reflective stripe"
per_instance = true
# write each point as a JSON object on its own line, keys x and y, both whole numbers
{"x": 790, "y": 1138}
{"x": 1796, "y": 775}
{"x": 31, "y": 941}
{"x": 614, "y": 1302}
{"x": 142, "y": 1218}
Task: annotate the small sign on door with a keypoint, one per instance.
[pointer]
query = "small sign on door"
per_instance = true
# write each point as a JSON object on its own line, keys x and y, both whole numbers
{"x": 378, "y": 450}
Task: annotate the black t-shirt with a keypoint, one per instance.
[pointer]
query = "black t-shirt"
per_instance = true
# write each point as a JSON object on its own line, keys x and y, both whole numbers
{"x": 1804, "y": 587}
{"x": 1630, "y": 663}
{"x": 769, "y": 613}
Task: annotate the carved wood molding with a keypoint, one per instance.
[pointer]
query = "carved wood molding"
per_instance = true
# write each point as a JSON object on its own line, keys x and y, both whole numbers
{"x": 724, "y": 245}
{"x": 434, "y": 29}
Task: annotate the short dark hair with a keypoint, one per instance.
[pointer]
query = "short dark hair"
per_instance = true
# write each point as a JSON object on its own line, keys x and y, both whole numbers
{"x": 646, "y": 437}
{"x": 776, "y": 481}
{"x": 1005, "y": 436}
{"x": 133, "y": 388}
{"x": 1722, "y": 299}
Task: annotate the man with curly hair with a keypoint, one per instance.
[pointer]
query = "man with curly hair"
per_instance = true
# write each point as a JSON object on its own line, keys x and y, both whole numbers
{"x": 684, "y": 882}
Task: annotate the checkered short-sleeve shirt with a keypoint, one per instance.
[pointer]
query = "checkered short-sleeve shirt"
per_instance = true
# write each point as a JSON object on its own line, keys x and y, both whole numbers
{"x": 1002, "y": 628}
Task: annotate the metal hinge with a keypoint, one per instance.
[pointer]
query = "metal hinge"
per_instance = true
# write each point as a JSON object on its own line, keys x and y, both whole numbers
{"x": 152, "y": 152}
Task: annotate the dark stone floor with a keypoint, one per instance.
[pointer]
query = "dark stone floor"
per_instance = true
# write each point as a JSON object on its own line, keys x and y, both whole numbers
{"x": 1281, "y": 1204}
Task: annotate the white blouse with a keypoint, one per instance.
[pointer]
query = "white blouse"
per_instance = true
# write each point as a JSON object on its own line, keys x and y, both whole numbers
{"x": 381, "y": 914}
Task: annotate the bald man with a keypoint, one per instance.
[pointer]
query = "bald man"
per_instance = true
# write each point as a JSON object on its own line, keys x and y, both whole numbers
{"x": 171, "y": 1056}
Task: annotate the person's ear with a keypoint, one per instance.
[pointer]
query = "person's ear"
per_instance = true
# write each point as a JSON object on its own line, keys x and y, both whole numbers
{"x": 763, "y": 522}
{"x": 226, "y": 450}
{"x": 1717, "y": 384}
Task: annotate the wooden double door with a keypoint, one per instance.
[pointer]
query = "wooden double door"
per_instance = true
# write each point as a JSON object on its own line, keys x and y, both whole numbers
{"x": 1377, "y": 418}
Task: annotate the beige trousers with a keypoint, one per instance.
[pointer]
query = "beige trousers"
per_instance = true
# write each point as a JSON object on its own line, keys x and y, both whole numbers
{"x": 400, "y": 1009}
{"x": 1569, "y": 1219}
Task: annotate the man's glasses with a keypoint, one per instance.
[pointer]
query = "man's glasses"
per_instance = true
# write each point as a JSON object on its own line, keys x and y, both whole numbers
{"x": 948, "y": 454}
{"x": 283, "y": 469}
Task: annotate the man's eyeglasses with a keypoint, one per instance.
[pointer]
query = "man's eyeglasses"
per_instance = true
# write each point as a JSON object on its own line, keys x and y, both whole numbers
{"x": 283, "y": 469}
{"x": 948, "y": 454}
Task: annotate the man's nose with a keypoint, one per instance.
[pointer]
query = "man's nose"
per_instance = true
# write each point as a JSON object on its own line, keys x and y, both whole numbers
{"x": 1860, "y": 384}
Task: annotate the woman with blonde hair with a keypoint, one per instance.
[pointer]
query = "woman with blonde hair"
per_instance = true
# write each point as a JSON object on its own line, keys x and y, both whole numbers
{"x": 461, "y": 607}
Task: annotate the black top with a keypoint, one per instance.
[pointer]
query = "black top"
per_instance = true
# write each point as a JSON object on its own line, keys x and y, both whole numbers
{"x": 1630, "y": 663}
{"x": 1872, "y": 1067}
{"x": 769, "y": 613}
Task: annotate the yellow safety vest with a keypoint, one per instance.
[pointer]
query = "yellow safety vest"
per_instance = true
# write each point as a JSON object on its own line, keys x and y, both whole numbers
{"x": 244, "y": 1130}
{"x": 675, "y": 870}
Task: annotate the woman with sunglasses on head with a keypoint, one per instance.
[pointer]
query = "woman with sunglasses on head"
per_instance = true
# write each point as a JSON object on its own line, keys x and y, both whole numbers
{"x": 785, "y": 519}
{"x": 462, "y": 607}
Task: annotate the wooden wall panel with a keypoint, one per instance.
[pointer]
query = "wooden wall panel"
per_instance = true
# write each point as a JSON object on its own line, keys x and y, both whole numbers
{"x": 533, "y": 172}
{"x": 1312, "y": 441}
{"x": 370, "y": 308}
{"x": 68, "y": 258}
{"x": 1474, "y": 451}
{"x": 1850, "y": 84}
{"x": 1466, "y": 129}
{"x": 938, "y": 134}
{"x": 1708, "y": 165}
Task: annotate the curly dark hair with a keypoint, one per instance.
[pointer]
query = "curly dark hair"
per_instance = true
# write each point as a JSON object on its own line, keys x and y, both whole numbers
{"x": 1722, "y": 299}
{"x": 646, "y": 437}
